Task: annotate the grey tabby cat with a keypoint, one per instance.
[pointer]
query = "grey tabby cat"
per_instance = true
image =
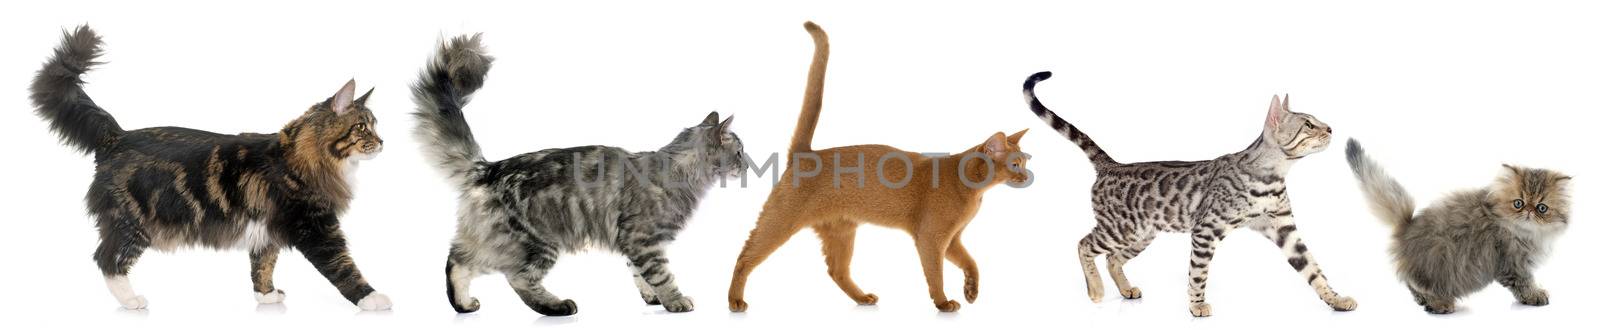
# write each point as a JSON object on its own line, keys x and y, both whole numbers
{"x": 1471, "y": 238}
{"x": 517, "y": 215}
{"x": 1205, "y": 199}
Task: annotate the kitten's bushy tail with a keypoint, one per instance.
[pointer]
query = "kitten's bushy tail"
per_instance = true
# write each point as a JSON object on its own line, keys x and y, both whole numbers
{"x": 1388, "y": 200}
{"x": 811, "y": 108}
{"x": 58, "y": 95}
{"x": 1096, "y": 155}
{"x": 441, "y": 91}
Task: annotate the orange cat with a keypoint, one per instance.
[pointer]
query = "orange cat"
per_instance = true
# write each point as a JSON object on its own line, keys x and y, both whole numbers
{"x": 835, "y": 190}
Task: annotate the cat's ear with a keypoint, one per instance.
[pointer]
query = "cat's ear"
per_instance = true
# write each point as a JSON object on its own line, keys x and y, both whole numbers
{"x": 1276, "y": 113}
{"x": 1017, "y": 137}
{"x": 711, "y": 119}
{"x": 996, "y": 144}
{"x": 1513, "y": 169}
{"x": 1285, "y": 101}
{"x": 726, "y": 125}
{"x": 362, "y": 101}
{"x": 340, "y": 102}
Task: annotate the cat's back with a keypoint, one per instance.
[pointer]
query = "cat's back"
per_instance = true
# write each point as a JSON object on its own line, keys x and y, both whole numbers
{"x": 184, "y": 145}
{"x": 548, "y": 167}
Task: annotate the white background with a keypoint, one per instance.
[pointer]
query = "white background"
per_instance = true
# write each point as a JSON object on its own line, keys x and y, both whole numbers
{"x": 1441, "y": 93}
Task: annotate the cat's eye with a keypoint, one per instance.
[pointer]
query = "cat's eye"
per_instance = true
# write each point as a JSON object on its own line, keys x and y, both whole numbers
{"x": 1541, "y": 208}
{"x": 1517, "y": 204}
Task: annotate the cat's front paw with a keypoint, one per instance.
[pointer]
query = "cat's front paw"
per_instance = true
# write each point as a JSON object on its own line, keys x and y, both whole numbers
{"x": 375, "y": 302}
{"x": 1440, "y": 308}
{"x": 680, "y": 305}
{"x": 274, "y": 297}
{"x": 135, "y": 303}
{"x": 737, "y": 305}
{"x": 1132, "y": 293}
{"x": 1200, "y": 309}
{"x": 970, "y": 290}
{"x": 1096, "y": 291}
{"x": 1534, "y": 297}
{"x": 867, "y": 300}
{"x": 563, "y": 308}
{"x": 650, "y": 299}
{"x": 1343, "y": 304}
{"x": 948, "y": 306}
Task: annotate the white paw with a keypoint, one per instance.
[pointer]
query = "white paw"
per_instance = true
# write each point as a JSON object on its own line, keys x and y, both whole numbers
{"x": 276, "y": 296}
{"x": 135, "y": 303}
{"x": 375, "y": 302}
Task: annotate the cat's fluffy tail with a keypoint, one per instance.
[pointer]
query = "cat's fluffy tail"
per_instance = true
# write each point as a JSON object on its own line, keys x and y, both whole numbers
{"x": 811, "y": 108}
{"x": 1096, "y": 155}
{"x": 1388, "y": 200}
{"x": 441, "y": 91}
{"x": 58, "y": 95}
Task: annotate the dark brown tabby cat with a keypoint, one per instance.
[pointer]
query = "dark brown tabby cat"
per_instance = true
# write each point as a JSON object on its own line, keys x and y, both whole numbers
{"x": 172, "y": 187}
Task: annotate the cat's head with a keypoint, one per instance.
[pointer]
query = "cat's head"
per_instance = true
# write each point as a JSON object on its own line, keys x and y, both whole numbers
{"x": 1011, "y": 163}
{"x": 1295, "y": 134}
{"x": 714, "y": 141}
{"x": 1531, "y": 198}
{"x": 338, "y": 129}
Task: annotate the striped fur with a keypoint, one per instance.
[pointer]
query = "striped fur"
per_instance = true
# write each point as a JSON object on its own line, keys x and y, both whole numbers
{"x": 167, "y": 188}
{"x": 518, "y": 215}
{"x": 1096, "y": 155}
{"x": 1204, "y": 199}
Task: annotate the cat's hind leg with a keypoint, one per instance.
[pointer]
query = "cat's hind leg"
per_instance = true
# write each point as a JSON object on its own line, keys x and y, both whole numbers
{"x": 772, "y": 230}
{"x": 1281, "y": 230}
{"x": 458, "y": 284}
{"x": 262, "y": 264}
{"x": 838, "y": 244}
{"x": 528, "y": 282}
{"x": 1115, "y": 260}
{"x": 122, "y": 241}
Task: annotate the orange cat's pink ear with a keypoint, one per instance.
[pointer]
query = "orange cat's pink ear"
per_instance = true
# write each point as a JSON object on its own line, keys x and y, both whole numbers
{"x": 1276, "y": 113}
{"x": 1017, "y": 137}
{"x": 996, "y": 143}
{"x": 340, "y": 102}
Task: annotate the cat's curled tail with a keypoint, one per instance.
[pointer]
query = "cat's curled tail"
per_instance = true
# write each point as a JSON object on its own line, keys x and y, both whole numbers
{"x": 442, "y": 90}
{"x": 1388, "y": 200}
{"x": 1096, "y": 155}
{"x": 811, "y": 108}
{"x": 58, "y": 95}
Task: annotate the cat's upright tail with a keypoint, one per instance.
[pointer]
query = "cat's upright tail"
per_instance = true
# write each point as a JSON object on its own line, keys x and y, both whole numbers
{"x": 441, "y": 91}
{"x": 1388, "y": 200}
{"x": 1096, "y": 155}
{"x": 811, "y": 108}
{"x": 58, "y": 95}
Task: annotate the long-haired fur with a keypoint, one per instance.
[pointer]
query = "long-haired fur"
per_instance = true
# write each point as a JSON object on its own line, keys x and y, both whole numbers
{"x": 173, "y": 187}
{"x": 1471, "y": 238}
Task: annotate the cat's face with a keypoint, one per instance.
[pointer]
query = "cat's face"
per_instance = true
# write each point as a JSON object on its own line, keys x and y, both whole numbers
{"x": 1531, "y": 198}
{"x": 1296, "y": 134}
{"x": 341, "y": 128}
{"x": 1011, "y": 163}
{"x": 716, "y": 141}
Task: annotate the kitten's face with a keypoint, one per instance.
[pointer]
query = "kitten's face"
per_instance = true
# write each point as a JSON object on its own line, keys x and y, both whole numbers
{"x": 1296, "y": 134}
{"x": 1531, "y": 197}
